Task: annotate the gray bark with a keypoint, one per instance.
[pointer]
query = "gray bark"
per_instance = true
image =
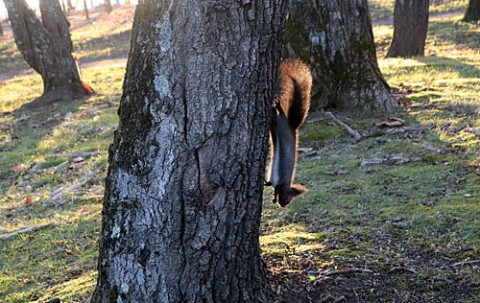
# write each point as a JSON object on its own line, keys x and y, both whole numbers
{"x": 47, "y": 47}
{"x": 336, "y": 39}
{"x": 184, "y": 189}
{"x": 472, "y": 14}
{"x": 410, "y": 25}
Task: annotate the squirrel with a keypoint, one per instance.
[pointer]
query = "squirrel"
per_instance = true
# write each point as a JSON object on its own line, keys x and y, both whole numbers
{"x": 289, "y": 113}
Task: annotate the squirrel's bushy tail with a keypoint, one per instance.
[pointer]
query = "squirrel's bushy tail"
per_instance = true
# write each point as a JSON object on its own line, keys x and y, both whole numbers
{"x": 296, "y": 86}
{"x": 289, "y": 113}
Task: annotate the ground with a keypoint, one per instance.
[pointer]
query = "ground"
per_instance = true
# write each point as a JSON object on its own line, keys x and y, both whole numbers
{"x": 391, "y": 217}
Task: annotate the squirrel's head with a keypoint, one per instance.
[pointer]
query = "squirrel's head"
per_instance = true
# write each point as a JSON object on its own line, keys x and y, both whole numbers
{"x": 283, "y": 195}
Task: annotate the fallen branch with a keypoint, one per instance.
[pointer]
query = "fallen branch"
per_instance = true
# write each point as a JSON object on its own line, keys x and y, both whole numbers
{"x": 25, "y": 230}
{"x": 355, "y": 134}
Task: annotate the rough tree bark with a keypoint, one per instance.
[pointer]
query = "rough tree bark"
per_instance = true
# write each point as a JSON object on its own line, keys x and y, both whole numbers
{"x": 184, "y": 189}
{"x": 410, "y": 25}
{"x": 47, "y": 47}
{"x": 472, "y": 14}
{"x": 336, "y": 38}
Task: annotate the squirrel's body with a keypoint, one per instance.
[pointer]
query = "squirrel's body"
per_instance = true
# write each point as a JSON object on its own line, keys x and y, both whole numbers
{"x": 289, "y": 113}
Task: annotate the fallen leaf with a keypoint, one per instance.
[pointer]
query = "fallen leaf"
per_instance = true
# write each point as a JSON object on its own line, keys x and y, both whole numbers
{"x": 391, "y": 121}
{"x": 51, "y": 170}
{"x": 78, "y": 159}
{"x": 84, "y": 211}
{"x": 28, "y": 200}
{"x": 17, "y": 168}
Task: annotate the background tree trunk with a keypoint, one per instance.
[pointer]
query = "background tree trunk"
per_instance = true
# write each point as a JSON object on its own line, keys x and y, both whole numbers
{"x": 336, "y": 39}
{"x": 472, "y": 14}
{"x": 1, "y": 28}
{"x": 47, "y": 47}
{"x": 410, "y": 25}
{"x": 85, "y": 9}
{"x": 69, "y": 6}
{"x": 108, "y": 6}
{"x": 184, "y": 189}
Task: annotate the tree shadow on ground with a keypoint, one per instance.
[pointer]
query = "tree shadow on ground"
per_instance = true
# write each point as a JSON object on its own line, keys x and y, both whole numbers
{"x": 456, "y": 32}
{"x": 444, "y": 64}
{"x": 115, "y": 43}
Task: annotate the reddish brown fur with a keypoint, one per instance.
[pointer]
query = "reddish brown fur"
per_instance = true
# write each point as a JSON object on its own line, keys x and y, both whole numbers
{"x": 296, "y": 81}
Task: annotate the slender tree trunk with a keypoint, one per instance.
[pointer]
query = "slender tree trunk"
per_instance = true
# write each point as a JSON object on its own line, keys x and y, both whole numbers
{"x": 336, "y": 38}
{"x": 186, "y": 170}
{"x": 472, "y": 14}
{"x": 108, "y": 6}
{"x": 70, "y": 6}
{"x": 410, "y": 25}
{"x": 1, "y": 28}
{"x": 47, "y": 47}
{"x": 85, "y": 9}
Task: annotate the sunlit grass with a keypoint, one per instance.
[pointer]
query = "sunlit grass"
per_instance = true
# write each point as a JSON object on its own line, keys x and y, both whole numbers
{"x": 383, "y": 9}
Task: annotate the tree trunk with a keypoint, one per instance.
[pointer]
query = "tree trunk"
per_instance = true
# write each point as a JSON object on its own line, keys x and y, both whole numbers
{"x": 472, "y": 14}
{"x": 85, "y": 8}
{"x": 184, "y": 189}
{"x": 336, "y": 38}
{"x": 1, "y": 28}
{"x": 410, "y": 25}
{"x": 47, "y": 47}
{"x": 108, "y": 6}
{"x": 70, "y": 6}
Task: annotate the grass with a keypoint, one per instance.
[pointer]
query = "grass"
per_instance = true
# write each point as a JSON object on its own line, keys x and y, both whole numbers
{"x": 408, "y": 226}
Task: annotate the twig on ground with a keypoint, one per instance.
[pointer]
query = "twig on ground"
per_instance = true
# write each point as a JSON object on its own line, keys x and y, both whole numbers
{"x": 355, "y": 134}
{"x": 25, "y": 230}
{"x": 394, "y": 160}
{"x": 61, "y": 191}
{"x": 347, "y": 271}
{"x": 430, "y": 148}
{"x": 402, "y": 268}
{"x": 75, "y": 155}
{"x": 470, "y": 262}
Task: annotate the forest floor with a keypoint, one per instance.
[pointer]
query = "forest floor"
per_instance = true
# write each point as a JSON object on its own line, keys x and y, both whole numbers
{"x": 391, "y": 217}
